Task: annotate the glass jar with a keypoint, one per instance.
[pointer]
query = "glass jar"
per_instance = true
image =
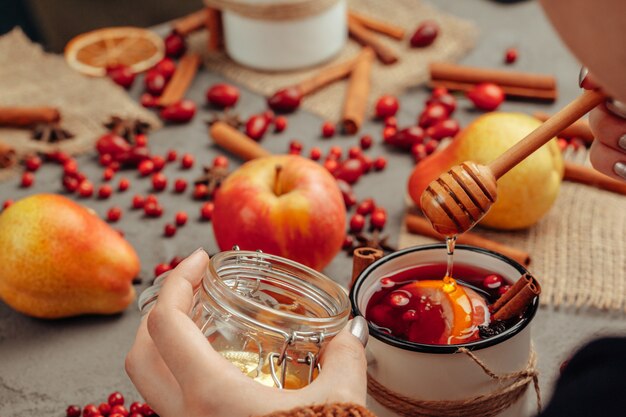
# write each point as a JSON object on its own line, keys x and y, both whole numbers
{"x": 267, "y": 315}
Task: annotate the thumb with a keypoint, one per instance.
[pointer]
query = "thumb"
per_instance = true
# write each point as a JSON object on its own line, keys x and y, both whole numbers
{"x": 344, "y": 366}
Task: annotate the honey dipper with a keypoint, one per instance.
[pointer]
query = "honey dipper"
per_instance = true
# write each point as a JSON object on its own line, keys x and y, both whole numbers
{"x": 459, "y": 198}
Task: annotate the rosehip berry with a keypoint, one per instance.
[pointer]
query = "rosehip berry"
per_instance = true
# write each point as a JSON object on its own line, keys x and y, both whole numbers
{"x": 510, "y": 55}
{"x": 425, "y": 34}
{"x": 180, "y": 185}
{"x": 90, "y": 410}
{"x": 105, "y": 159}
{"x": 220, "y": 161}
{"x": 331, "y": 165}
{"x": 380, "y": 163}
{"x": 171, "y": 155}
{"x": 138, "y": 201}
{"x": 104, "y": 409}
{"x": 562, "y": 142}
{"x": 119, "y": 409}
{"x": 349, "y": 170}
{"x": 419, "y": 152}
{"x": 486, "y": 96}
{"x": 407, "y": 137}
{"x": 431, "y": 146}
{"x": 206, "y": 211}
{"x": 432, "y": 114}
{"x": 443, "y": 129}
{"x": 357, "y": 222}
{"x": 503, "y": 289}
{"x": 158, "y": 162}
{"x": 315, "y": 154}
{"x": 366, "y": 162}
{"x": 386, "y": 106}
{"x": 32, "y": 163}
{"x": 152, "y": 209}
{"x": 72, "y": 411}
{"x": 147, "y": 411}
{"x": 280, "y": 124}
{"x": 85, "y": 189}
{"x": 388, "y": 132}
{"x": 366, "y": 206}
{"x": 116, "y": 398}
{"x": 114, "y": 214}
{"x": 492, "y": 281}
{"x": 70, "y": 167}
{"x": 121, "y": 75}
{"x": 148, "y": 100}
{"x": 187, "y": 161}
{"x": 159, "y": 181}
{"x": 175, "y": 45}
{"x": 7, "y": 204}
{"x": 438, "y": 92}
{"x": 161, "y": 269}
{"x": 146, "y": 167}
{"x": 135, "y": 407}
{"x": 154, "y": 83}
{"x": 169, "y": 230}
{"x": 104, "y": 191}
{"x": 181, "y": 218}
{"x": 378, "y": 218}
{"x": 58, "y": 157}
{"x": 349, "y": 198}
{"x": 27, "y": 179}
{"x": 108, "y": 174}
{"x": 335, "y": 151}
{"x": 328, "y": 130}
{"x": 175, "y": 261}
{"x": 166, "y": 67}
{"x": 295, "y": 146}
{"x": 222, "y": 95}
{"x": 391, "y": 121}
{"x": 446, "y": 100}
{"x": 200, "y": 192}
{"x": 366, "y": 142}
{"x": 285, "y": 100}
{"x": 179, "y": 112}
{"x": 123, "y": 184}
{"x": 354, "y": 152}
{"x": 256, "y": 126}
{"x": 348, "y": 241}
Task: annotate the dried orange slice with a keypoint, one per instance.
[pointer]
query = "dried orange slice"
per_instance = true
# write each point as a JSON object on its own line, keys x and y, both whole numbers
{"x": 92, "y": 52}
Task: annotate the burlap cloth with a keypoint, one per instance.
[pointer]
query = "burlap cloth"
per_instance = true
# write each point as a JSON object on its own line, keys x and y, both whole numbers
{"x": 456, "y": 37}
{"x": 578, "y": 250}
{"x": 31, "y": 77}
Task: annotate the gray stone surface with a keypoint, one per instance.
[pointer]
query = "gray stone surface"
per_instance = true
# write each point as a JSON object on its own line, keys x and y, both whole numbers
{"x": 46, "y": 365}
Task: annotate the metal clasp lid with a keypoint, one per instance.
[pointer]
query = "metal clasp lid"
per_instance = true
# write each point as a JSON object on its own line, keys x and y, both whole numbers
{"x": 311, "y": 359}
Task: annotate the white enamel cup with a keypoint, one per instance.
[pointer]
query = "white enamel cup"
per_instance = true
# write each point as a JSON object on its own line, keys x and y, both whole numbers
{"x": 439, "y": 372}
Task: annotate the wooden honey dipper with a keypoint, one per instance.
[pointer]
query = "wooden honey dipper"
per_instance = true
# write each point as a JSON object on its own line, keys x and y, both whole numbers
{"x": 459, "y": 198}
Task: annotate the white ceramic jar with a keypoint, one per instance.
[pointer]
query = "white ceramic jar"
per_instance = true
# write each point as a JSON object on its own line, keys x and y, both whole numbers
{"x": 439, "y": 372}
{"x": 281, "y": 45}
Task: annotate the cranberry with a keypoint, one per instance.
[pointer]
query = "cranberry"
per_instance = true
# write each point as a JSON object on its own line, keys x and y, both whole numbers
{"x": 119, "y": 409}
{"x": 256, "y": 126}
{"x": 269, "y": 115}
{"x": 366, "y": 206}
{"x": 366, "y": 162}
{"x": 355, "y": 152}
{"x": 386, "y": 106}
{"x": 114, "y": 214}
{"x": 32, "y": 163}
{"x": 380, "y": 163}
{"x": 407, "y": 137}
{"x": 134, "y": 156}
{"x": 171, "y": 155}
{"x": 486, "y": 96}
{"x": 72, "y": 411}
{"x": 108, "y": 174}
{"x": 206, "y": 211}
{"x": 391, "y": 121}
{"x": 222, "y": 95}
{"x": 166, "y": 67}
{"x": 331, "y": 165}
{"x": 431, "y": 146}
{"x": 180, "y": 185}
{"x": 175, "y": 45}
{"x": 200, "y": 192}
{"x": 123, "y": 184}
{"x": 154, "y": 83}
{"x": 152, "y": 209}
{"x": 169, "y": 230}
{"x": 349, "y": 170}
{"x": 147, "y": 411}
{"x": 135, "y": 407}
{"x": 446, "y": 100}
{"x": 285, "y": 100}
{"x": 315, "y": 154}
{"x": 220, "y": 161}
{"x": 181, "y": 218}
{"x": 444, "y": 129}
{"x": 112, "y": 144}
{"x": 159, "y": 181}
{"x": 295, "y": 146}
{"x": 70, "y": 167}
{"x": 280, "y": 124}
{"x": 357, "y": 222}
{"x": 366, "y": 142}
{"x": 432, "y": 114}
{"x": 158, "y": 162}
{"x": 388, "y": 132}
{"x": 105, "y": 160}
{"x": 348, "y": 241}
{"x": 161, "y": 269}
{"x": 138, "y": 201}
{"x": 419, "y": 152}
{"x": 187, "y": 161}
{"x": 503, "y": 289}
{"x": 510, "y": 55}
{"x": 146, "y": 167}
{"x": 335, "y": 151}
{"x": 438, "y": 92}
{"x": 121, "y": 75}
{"x": 27, "y": 179}
{"x": 85, "y": 189}
{"x": 105, "y": 191}
{"x": 180, "y": 112}
{"x": 410, "y": 315}
{"x": 378, "y": 218}
{"x": 58, "y": 157}
{"x": 7, "y": 204}
{"x": 425, "y": 34}
{"x": 148, "y": 100}
{"x": 90, "y": 410}
{"x": 398, "y": 299}
{"x": 328, "y": 130}
{"x": 349, "y": 199}
{"x": 492, "y": 281}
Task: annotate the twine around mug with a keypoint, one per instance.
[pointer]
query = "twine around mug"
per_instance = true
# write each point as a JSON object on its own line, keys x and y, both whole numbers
{"x": 485, "y": 405}
{"x": 279, "y": 10}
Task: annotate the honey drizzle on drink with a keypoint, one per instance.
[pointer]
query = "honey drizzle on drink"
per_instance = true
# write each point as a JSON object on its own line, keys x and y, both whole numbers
{"x": 449, "y": 284}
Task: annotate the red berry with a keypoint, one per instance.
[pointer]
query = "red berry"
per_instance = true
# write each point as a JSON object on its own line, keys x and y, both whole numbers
{"x": 181, "y": 218}
{"x": 486, "y": 96}
{"x": 108, "y": 174}
{"x": 159, "y": 182}
{"x": 443, "y": 129}
{"x": 438, "y": 92}
{"x": 85, "y": 189}
{"x": 119, "y": 409}
{"x": 419, "y": 152}
{"x": 220, "y": 162}
{"x": 285, "y": 100}
{"x": 316, "y": 154}
{"x": 104, "y": 409}
{"x": 410, "y": 315}
{"x": 357, "y": 222}
{"x": 116, "y": 398}
{"x": 349, "y": 198}
{"x": 161, "y": 269}
{"x": 138, "y": 201}
{"x": 7, "y": 204}
{"x": 121, "y": 75}
{"x": 391, "y": 121}
{"x": 431, "y": 146}
{"x": 114, "y": 214}
{"x": 388, "y": 132}
{"x": 158, "y": 162}
{"x": 366, "y": 206}
{"x": 335, "y": 151}
{"x": 135, "y": 407}
{"x": 378, "y": 218}
{"x": 112, "y": 144}
{"x": 72, "y": 411}
{"x": 152, "y": 209}
{"x": 398, "y": 299}
{"x": 256, "y": 126}
{"x": 105, "y": 191}
{"x": 187, "y": 161}
{"x": 166, "y": 67}
{"x": 146, "y": 167}
{"x": 27, "y": 179}
{"x": 380, "y": 163}
{"x": 154, "y": 83}
{"x": 147, "y": 411}
{"x": 425, "y": 34}
{"x": 148, "y": 100}
{"x": 503, "y": 289}
{"x": 348, "y": 241}
{"x": 200, "y": 192}
{"x": 32, "y": 163}
{"x": 331, "y": 165}
{"x": 349, "y": 170}
{"x": 175, "y": 261}
{"x": 510, "y": 56}
{"x": 492, "y": 281}
{"x": 328, "y": 130}
{"x": 90, "y": 410}
{"x": 386, "y": 106}
{"x": 179, "y": 112}
{"x": 175, "y": 45}
{"x": 366, "y": 142}
{"x": 562, "y": 142}
{"x": 354, "y": 152}
{"x": 171, "y": 155}
{"x": 169, "y": 230}
{"x": 180, "y": 185}
{"x": 123, "y": 184}
{"x": 70, "y": 167}
{"x": 280, "y": 124}
{"x": 206, "y": 211}
{"x": 407, "y": 137}
{"x": 58, "y": 157}
{"x": 446, "y": 100}
{"x": 105, "y": 159}
{"x": 295, "y": 147}
{"x": 222, "y": 95}
{"x": 432, "y": 114}
{"x": 366, "y": 162}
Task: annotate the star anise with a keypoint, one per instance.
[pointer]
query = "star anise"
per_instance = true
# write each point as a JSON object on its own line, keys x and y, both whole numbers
{"x": 227, "y": 116}
{"x": 127, "y": 128}
{"x": 212, "y": 178}
{"x": 51, "y": 133}
{"x": 7, "y": 156}
{"x": 373, "y": 240}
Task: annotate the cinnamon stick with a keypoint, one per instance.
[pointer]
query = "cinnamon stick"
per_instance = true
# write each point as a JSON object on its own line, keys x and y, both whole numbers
{"x": 514, "y": 302}
{"x": 190, "y": 23}
{"x": 355, "y": 102}
{"x": 362, "y": 258}
{"x": 329, "y": 75}
{"x": 28, "y": 116}
{"x": 521, "y": 92}
{"x": 378, "y": 26}
{"x": 7, "y": 156}
{"x": 589, "y": 176}
{"x": 579, "y": 129}
{"x": 419, "y": 225}
{"x": 236, "y": 142}
{"x": 367, "y": 38}
{"x": 214, "y": 29}
{"x": 182, "y": 78}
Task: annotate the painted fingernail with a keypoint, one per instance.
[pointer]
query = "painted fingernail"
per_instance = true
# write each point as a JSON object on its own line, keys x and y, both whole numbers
{"x": 622, "y": 142}
{"x": 358, "y": 328}
{"x": 620, "y": 169}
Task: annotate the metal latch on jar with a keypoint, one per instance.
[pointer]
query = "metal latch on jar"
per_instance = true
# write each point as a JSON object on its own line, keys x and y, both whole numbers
{"x": 311, "y": 359}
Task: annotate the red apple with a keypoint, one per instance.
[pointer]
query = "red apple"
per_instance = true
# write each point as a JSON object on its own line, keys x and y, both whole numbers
{"x": 285, "y": 205}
